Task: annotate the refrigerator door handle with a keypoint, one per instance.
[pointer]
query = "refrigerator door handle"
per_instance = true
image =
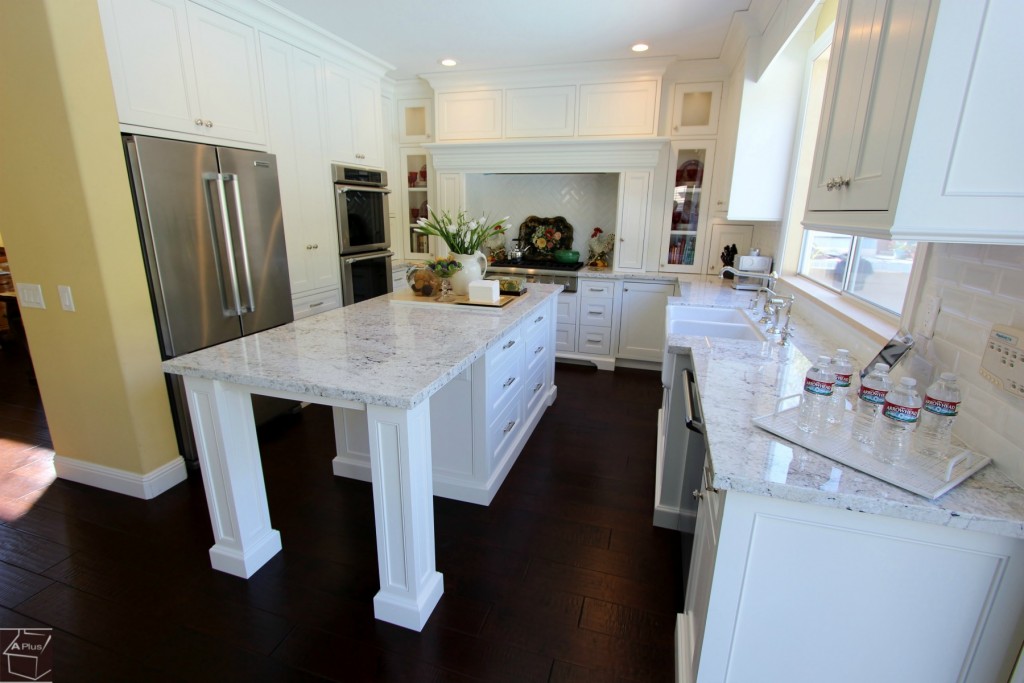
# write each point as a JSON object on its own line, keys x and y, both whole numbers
{"x": 240, "y": 226}
{"x": 222, "y": 204}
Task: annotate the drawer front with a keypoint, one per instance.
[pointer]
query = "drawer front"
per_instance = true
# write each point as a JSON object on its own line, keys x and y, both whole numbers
{"x": 604, "y": 289}
{"x": 595, "y": 340}
{"x": 509, "y": 345}
{"x": 504, "y": 381}
{"x": 596, "y": 312}
{"x": 540, "y": 319}
{"x": 567, "y": 308}
{"x": 535, "y": 389}
{"x": 305, "y": 306}
{"x": 502, "y": 432}
{"x": 535, "y": 348}
{"x": 565, "y": 338}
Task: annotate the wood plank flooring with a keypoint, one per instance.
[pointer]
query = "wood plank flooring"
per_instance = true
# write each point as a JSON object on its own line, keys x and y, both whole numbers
{"x": 561, "y": 578}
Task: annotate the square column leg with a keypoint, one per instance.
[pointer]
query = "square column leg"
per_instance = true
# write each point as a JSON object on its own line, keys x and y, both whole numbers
{"x": 403, "y": 507}
{"x": 229, "y": 458}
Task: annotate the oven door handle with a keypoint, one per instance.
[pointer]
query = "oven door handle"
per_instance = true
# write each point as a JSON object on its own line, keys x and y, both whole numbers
{"x": 381, "y": 190}
{"x": 367, "y": 257}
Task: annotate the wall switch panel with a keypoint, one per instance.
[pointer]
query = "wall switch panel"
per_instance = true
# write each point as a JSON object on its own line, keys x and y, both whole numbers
{"x": 1002, "y": 362}
{"x": 931, "y": 313}
{"x": 30, "y": 296}
{"x": 66, "y": 301}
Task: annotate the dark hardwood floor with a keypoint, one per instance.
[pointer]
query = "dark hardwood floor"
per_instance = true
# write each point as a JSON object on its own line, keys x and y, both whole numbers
{"x": 562, "y": 578}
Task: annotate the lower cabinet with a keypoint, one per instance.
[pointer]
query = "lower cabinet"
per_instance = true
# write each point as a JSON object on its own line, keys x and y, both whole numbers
{"x": 311, "y": 304}
{"x": 786, "y": 591}
{"x": 642, "y": 323}
{"x": 480, "y": 420}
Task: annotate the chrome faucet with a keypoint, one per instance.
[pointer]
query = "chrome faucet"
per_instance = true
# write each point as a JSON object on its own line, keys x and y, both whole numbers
{"x": 769, "y": 278}
{"x": 765, "y": 313}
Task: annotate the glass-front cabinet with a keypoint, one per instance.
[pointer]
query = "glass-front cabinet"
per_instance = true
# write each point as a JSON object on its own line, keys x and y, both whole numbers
{"x": 686, "y": 234}
{"x": 416, "y": 190}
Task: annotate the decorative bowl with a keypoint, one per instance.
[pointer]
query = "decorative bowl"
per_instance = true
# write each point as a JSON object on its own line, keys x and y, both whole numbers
{"x": 567, "y": 256}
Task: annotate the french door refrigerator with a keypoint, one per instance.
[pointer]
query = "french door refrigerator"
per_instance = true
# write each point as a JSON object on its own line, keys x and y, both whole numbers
{"x": 213, "y": 241}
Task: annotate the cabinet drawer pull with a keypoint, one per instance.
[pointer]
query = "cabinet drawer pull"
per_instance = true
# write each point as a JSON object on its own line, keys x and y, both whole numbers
{"x": 318, "y": 303}
{"x": 509, "y": 382}
{"x": 537, "y": 388}
{"x": 597, "y": 289}
{"x": 539, "y": 318}
{"x": 594, "y": 340}
{"x": 508, "y": 345}
{"x": 538, "y": 350}
{"x": 508, "y": 427}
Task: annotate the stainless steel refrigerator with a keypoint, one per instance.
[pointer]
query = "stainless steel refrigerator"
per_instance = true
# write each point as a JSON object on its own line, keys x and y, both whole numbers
{"x": 213, "y": 240}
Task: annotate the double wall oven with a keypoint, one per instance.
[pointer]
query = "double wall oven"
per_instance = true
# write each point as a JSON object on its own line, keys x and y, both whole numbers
{"x": 361, "y": 205}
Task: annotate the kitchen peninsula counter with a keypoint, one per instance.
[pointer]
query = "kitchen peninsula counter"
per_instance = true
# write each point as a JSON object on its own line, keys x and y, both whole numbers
{"x": 379, "y": 356}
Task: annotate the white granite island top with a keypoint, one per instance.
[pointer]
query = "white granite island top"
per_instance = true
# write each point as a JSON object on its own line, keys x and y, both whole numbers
{"x": 377, "y": 352}
{"x": 741, "y": 380}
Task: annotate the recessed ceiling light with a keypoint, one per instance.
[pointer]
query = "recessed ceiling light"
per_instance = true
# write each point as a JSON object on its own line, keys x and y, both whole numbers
{"x": 448, "y": 61}
{"x": 640, "y": 47}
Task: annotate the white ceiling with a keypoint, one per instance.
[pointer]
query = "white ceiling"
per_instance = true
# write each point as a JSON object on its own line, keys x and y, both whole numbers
{"x": 413, "y": 35}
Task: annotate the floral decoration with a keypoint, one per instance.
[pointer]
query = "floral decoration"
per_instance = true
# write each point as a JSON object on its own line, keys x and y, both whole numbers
{"x": 460, "y": 233}
{"x": 600, "y": 244}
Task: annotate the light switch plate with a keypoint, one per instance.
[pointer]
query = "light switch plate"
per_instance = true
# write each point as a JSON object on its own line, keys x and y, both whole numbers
{"x": 30, "y": 296}
{"x": 66, "y": 301}
{"x": 1002, "y": 362}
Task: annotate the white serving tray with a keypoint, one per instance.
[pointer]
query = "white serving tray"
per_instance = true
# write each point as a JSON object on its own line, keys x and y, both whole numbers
{"x": 928, "y": 477}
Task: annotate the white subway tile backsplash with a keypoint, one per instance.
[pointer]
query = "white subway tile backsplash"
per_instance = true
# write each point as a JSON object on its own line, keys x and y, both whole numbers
{"x": 1011, "y": 284}
{"x": 998, "y": 254}
{"x": 980, "y": 278}
{"x": 955, "y": 302}
{"x": 989, "y": 310}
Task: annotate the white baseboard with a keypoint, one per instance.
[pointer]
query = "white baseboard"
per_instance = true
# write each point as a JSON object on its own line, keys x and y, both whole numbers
{"x": 145, "y": 486}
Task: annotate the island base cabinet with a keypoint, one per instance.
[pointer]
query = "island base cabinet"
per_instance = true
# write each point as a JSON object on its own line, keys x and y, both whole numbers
{"x": 802, "y": 593}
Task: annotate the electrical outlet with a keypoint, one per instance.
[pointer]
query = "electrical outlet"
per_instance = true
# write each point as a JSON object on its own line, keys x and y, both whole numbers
{"x": 929, "y": 316}
{"x": 30, "y": 296}
{"x": 1002, "y": 362}
{"x": 66, "y": 302}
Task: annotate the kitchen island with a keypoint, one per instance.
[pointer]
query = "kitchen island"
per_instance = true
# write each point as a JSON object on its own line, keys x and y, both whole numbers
{"x": 377, "y": 356}
{"x": 804, "y": 569}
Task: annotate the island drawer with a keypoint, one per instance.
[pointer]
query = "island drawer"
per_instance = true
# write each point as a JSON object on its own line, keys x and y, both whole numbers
{"x": 535, "y": 388}
{"x": 537, "y": 320}
{"x": 509, "y": 345}
{"x": 502, "y": 433}
{"x": 504, "y": 380}
{"x": 604, "y": 289}
{"x": 535, "y": 347}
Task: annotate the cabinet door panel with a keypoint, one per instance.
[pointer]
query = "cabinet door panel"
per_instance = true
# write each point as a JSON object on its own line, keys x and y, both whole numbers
{"x": 150, "y": 64}
{"x": 618, "y": 108}
{"x": 634, "y": 221}
{"x": 469, "y": 115}
{"x": 642, "y": 328}
{"x": 540, "y": 112}
{"x": 366, "y": 123}
{"x": 337, "y": 92}
{"x": 227, "y": 76}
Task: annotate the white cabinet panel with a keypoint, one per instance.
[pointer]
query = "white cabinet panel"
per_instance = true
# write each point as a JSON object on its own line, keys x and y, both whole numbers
{"x": 695, "y": 108}
{"x": 415, "y": 121}
{"x": 642, "y": 321}
{"x": 628, "y": 108}
{"x": 353, "y": 116}
{"x": 634, "y": 219}
{"x": 540, "y": 112}
{"x": 473, "y": 115}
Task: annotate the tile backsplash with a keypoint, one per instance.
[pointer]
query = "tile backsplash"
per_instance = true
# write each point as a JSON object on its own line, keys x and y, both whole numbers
{"x": 586, "y": 200}
{"x": 979, "y": 286}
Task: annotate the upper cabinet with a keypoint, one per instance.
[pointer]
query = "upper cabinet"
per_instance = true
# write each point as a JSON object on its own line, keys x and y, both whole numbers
{"x": 415, "y": 121}
{"x": 918, "y": 138}
{"x": 619, "y": 109}
{"x": 178, "y": 66}
{"x": 469, "y": 115}
{"x": 695, "y": 109}
{"x": 685, "y": 238}
{"x": 353, "y": 117}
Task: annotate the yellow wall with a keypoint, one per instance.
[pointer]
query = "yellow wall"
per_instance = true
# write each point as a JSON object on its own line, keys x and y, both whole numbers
{"x": 826, "y": 17}
{"x": 67, "y": 218}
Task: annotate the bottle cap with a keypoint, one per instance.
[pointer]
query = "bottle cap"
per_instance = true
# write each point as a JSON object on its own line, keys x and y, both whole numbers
{"x": 823, "y": 360}
{"x": 842, "y": 352}
{"x": 882, "y": 366}
{"x": 948, "y": 376}
{"x": 908, "y": 382}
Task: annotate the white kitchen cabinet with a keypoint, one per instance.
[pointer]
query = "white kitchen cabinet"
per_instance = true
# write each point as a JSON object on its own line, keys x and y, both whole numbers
{"x": 642, "y": 321}
{"x": 540, "y": 112}
{"x": 416, "y": 185}
{"x": 780, "y": 590}
{"x": 566, "y": 314}
{"x": 353, "y": 116}
{"x": 727, "y": 234}
{"x": 695, "y": 108}
{"x": 685, "y": 238}
{"x": 469, "y": 115}
{"x": 296, "y": 131}
{"x": 634, "y": 219}
{"x": 628, "y": 108}
{"x": 597, "y": 323}
{"x": 178, "y": 66}
{"x": 415, "y": 121}
{"x": 317, "y": 302}
{"x": 480, "y": 421}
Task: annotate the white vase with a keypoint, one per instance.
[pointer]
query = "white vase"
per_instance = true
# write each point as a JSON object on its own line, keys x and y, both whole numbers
{"x": 474, "y": 267}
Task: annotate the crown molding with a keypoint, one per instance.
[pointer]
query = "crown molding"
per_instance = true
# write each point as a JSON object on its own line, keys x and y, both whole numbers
{"x": 548, "y": 156}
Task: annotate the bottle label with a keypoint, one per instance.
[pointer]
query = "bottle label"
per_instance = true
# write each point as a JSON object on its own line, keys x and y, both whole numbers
{"x": 939, "y": 407}
{"x": 876, "y": 396}
{"x": 816, "y": 386}
{"x": 843, "y": 380}
{"x": 900, "y": 413}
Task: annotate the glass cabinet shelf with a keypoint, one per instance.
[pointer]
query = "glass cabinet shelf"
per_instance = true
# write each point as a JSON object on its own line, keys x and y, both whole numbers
{"x": 686, "y": 235}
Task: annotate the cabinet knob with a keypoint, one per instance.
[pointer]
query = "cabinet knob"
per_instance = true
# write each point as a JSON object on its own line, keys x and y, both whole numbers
{"x": 208, "y": 123}
{"x": 199, "y": 122}
{"x": 697, "y": 494}
{"x": 360, "y": 156}
{"x": 316, "y": 246}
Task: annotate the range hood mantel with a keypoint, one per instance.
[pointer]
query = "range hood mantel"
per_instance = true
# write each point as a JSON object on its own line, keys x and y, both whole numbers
{"x": 544, "y": 156}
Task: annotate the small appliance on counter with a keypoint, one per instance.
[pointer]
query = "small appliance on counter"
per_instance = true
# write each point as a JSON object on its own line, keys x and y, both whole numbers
{"x": 752, "y": 263}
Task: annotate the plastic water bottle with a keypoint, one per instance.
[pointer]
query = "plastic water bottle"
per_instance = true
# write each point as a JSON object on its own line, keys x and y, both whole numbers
{"x": 814, "y": 401}
{"x": 843, "y": 370}
{"x": 941, "y": 405}
{"x": 895, "y": 426}
{"x": 870, "y": 398}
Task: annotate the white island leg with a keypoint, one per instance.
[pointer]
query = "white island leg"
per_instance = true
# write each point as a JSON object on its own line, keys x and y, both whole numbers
{"x": 229, "y": 457}
{"x": 403, "y": 508}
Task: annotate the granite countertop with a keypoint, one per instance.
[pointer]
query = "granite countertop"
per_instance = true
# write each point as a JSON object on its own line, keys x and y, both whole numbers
{"x": 741, "y": 380}
{"x": 378, "y": 351}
